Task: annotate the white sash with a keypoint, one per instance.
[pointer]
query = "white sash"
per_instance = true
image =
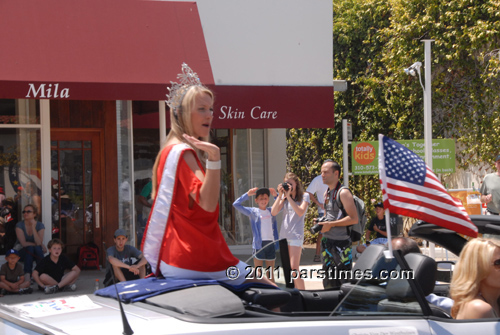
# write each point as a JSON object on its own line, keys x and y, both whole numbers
{"x": 157, "y": 225}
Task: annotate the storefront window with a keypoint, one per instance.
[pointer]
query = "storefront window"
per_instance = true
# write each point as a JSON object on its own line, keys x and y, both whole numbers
{"x": 242, "y": 160}
{"x": 125, "y": 168}
{"x": 146, "y": 147}
{"x": 249, "y": 172}
{"x": 20, "y": 111}
{"x": 221, "y": 138}
{"x": 20, "y": 168}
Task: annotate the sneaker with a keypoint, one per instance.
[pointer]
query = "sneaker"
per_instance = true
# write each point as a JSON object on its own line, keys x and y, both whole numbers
{"x": 51, "y": 289}
{"x": 71, "y": 287}
{"x": 27, "y": 290}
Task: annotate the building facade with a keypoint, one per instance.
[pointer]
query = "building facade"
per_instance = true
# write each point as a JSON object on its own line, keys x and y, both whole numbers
{"x": 82, "y": 114}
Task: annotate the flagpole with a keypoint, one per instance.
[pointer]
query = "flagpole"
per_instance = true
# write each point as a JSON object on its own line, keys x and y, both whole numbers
{"x": 388, "y": 253}
{"x": 381, "y": 173}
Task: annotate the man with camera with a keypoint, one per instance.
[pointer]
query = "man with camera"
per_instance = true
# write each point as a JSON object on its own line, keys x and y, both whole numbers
{"x": 336, "y": 242}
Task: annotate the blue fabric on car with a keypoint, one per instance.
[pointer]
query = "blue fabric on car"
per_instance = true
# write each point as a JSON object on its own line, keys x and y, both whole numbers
{"x": 140, "y": 289}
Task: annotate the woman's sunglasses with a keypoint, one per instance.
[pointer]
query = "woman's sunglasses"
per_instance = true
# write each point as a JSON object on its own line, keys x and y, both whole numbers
{"x": 24, "y": 212}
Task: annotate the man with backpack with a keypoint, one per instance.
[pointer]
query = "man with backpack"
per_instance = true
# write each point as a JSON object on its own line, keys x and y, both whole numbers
{"x": 336, "y": 242}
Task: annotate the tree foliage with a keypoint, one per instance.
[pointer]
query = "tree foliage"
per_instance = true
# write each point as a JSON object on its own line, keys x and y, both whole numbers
{"x": 374, "y": 40}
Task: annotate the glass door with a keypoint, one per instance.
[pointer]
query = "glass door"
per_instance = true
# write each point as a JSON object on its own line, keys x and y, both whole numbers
{"x": 76, "y": 195}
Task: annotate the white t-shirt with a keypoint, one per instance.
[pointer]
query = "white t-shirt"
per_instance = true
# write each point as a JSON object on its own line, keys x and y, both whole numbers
{"x": 317, "y": 187}
{"x": 266, "y": 225}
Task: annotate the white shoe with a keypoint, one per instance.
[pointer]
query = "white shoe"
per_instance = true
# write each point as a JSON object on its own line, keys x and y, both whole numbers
{"x": 71, "y": 287}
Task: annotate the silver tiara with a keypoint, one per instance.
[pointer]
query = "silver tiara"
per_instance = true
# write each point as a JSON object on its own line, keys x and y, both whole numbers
{"x": 187, "y": 78}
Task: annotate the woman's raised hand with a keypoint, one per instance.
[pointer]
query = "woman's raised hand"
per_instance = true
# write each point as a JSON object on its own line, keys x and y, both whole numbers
{"x": 212, "y": 150}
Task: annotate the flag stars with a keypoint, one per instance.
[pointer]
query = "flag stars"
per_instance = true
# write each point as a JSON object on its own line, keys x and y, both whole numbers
{"x": 402, "y": 164}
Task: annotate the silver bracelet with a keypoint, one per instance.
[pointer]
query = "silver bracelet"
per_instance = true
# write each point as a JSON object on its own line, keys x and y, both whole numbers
{"x": 213, "y": 165}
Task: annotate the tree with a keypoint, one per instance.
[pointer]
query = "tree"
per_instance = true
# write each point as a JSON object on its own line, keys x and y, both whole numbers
{"x": 373, "y": 42}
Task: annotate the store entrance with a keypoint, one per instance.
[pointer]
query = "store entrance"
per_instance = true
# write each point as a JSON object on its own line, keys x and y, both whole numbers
{"x": 76, "y": 188}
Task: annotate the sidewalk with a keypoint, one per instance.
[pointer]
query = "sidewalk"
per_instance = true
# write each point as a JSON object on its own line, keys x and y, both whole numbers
{"x": 86, "y": 282}
{"x": 84, "y": 285}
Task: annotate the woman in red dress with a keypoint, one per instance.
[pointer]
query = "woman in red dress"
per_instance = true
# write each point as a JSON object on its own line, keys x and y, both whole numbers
{"x": 183, "y": 238}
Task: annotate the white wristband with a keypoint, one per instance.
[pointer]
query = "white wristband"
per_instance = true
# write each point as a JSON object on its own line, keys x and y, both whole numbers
{"x": 213, "y": 165}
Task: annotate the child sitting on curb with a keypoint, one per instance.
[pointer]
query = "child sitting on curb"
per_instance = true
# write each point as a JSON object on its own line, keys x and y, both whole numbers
{"x": 12, "y": 275}
{"x": 121, "y": 260}
{"x": 50, "y": 274}
{"x": 264, "y": 228}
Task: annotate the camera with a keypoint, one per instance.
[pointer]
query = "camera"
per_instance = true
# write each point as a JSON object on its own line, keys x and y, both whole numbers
{"x": 285, "y": 186}
{"x": 317, "y": 227}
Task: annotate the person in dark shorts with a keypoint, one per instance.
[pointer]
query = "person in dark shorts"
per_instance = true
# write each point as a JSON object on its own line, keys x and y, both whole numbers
{"x": 264, "y": 228}
{"x": 126, "y": 261}
{"x": 12, "y": 275}
{"x": 56, "y": 271}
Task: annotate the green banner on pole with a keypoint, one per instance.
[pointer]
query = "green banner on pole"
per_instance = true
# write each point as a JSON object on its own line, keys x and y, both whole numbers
{"x": 364, "y": 155}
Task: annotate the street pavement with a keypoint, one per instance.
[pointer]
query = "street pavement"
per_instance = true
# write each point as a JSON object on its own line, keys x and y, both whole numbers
{"x": 86, "y": 281}
{"x": 85, "y": 284}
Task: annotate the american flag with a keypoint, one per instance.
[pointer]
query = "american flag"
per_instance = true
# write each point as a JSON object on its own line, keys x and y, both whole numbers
{"x": 410, "y": 188}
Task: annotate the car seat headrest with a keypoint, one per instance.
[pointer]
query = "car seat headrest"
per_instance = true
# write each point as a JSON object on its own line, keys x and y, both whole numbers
{"x": 424, "y": 273}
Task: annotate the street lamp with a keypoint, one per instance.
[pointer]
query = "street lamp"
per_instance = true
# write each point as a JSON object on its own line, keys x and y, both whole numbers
{"x": 413, "y": 70}
{"x": 427, "y": 109}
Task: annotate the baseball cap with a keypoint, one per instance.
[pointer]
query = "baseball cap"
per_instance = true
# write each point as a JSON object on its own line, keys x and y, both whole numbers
{"x": 120, "y": 232}
{"x": 497, "y": 159}
{"x": 262, "y": 190}
{"x": 379, "y": 204}
{"x": 11, "y": 251}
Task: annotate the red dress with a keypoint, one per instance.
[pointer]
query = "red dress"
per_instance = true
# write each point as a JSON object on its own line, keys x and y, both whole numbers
{"x": 191, "y": 237}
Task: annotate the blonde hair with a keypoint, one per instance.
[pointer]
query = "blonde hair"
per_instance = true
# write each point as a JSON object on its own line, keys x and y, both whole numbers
{"x": 180, "y": 123}
{"x": 473, "y": 266}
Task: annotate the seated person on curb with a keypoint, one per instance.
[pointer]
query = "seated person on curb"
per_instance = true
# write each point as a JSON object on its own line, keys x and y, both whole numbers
{"x": 12, "y": 275}
{"x": 120, "y": 260}
{"x": 49, "y": 272}
{"x": 377, "y": 225}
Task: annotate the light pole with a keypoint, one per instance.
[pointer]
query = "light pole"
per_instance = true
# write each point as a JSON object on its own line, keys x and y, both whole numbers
{"x": 428, "y": 104}
{"x": 413, "y": 70}
{"x": 427, "y": 109}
